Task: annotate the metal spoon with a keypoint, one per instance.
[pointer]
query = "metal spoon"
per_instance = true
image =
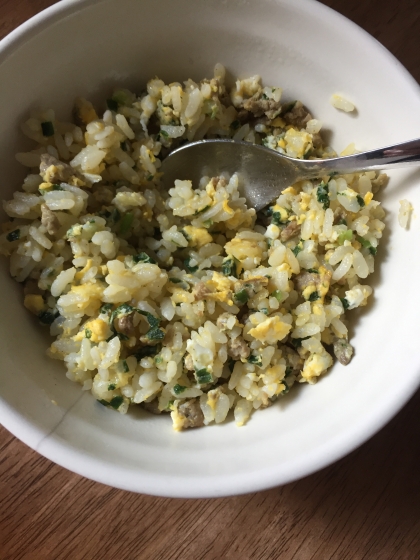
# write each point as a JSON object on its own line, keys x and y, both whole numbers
{"x": 265, "y": 172}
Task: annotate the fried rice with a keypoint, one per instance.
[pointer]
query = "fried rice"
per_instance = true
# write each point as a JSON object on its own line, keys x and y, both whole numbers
{"x": 188, "y": 301}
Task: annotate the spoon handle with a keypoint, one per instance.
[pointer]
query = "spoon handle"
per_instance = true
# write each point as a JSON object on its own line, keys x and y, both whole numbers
{"x": 405, "y": 154}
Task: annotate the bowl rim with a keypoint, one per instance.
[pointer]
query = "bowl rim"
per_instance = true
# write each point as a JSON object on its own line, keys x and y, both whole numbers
{"x": 65, "y": 455}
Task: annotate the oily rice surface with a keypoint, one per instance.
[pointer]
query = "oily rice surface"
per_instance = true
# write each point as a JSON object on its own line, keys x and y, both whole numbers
{"x": 188, "y": 301}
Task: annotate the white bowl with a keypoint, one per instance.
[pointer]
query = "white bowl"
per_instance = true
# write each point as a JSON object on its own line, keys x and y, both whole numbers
{"x": 84, "y": 47}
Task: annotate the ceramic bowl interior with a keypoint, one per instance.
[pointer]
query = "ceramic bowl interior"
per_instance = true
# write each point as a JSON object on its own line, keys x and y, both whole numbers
{"x": 86, "y": 47}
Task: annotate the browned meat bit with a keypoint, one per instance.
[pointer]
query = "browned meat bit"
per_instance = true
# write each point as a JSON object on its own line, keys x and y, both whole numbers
{"x": 191, "y": 414}
{"x": 340, "y": 215}
{"x": 200, "y": 291}
{"x": 151, "y": 406}
{"x": 238, "y": 349}
{"x": 291, "y": 230}
{"x": 53, "y": 170}
{"x": 259, "y": 106}
{"x": 188, "y": 362}
{"x": 125, "y": 324}
{"x": 49, "y": 220}
{"x": 343, "y": 351}
{"x": 304, "y": 279}
{"x": 298, "y": 116}
{"x": 317, "y": 141}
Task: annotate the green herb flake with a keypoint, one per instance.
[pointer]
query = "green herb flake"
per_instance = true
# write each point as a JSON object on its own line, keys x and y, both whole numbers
{"x": 106, "y": 309}
{"x": 373, "y": 250}
{"x": 189, "y": 268}
{"x": 297, "y": 342}
{"x": 149, "y": 177}
{"x": 178, "y": 389}
{"x": 46, "y": 317}
{"x": 286, "y": 389}
{"x": 322, "y": 195}
{"x": 143, "y": 258}
{"x": 289, "y": 371}
{"x": 125, "y": 367}
{"x": 13, "y": 235}
{"x": 314, "y": 296}
{"x": 175, "y": 280}
{"x": 112, "y": 387}
{"x": 88, "y": 333}
{"x": 345, "y": 303}
{"x": 203, "y": 376}
{"x": 256, "y": 360}
{"x": 155, "y": 334}
{"x": 360, "y": 201}
{"x": 229, "y": 267}
{"x": 346, "y": 235}
{"x": 313, "y": 270}
{"x": 278, "y": 294}
{"x": 242, "y": 296}
{"x": 126, "y": 223}
{"x": 202, "y": 210}
{"x": 264, "y": 310}
{"x": 146, "y": 352}
{"x": 115, "y": 402}
{"x": 47, "y": 128}
{"x": 112, "y": 105}
{"x": 299, "y": 247}
{"x": 164, "y": 133}
{"x": 277, "y": 220}
{"x": 151, "y": 319}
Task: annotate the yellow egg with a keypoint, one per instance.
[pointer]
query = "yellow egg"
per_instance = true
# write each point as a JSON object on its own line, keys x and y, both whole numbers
{"x": 34, "y": 303}
{"x": 271, "y": 330}
{"x": 197, "y": 237}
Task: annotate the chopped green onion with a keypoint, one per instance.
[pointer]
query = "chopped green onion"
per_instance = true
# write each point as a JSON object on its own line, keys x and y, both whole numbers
{"x": 151, "y": 319}
{"x": 313, "y": 270}
{"x": 111, "y": 387}
{"x": 278, "y": 294}
{"x": 264, "y": 310}
{"x": 164, "y": 133}
{"x": 178, "y": 389}
{"x": 242, "y": 296}
{"x": 360, "y": 201}
{"x": 47, "y": 128}
{"x": 256, "y": 360}
{"x": 143, "y": 258}
{"x": 203, "y": 376}
{"x": 202, "y": 210}
{"x": 190, "y": 269}
{"x": 373, "y": 250}
{"x": 106, "y": 309}
{"x": 229, "y": 267}
{"x": 345, "y": 303}
{"x": 314, "y": 296}
{"x": 286, "y": 390}
{"x": 46, "y": 317}
{"x": 322, "y": 195}
{"x": 147, "y": 351}
{"x": 175, "y": 280}
{"x": 296, "y": 250}
{"x": 297, "y": 342}
{"x": 115, "y": 402}
{"x": 126, "y": 223}
{"x": 112, "y": 105}
{"x": 125, "y": 366}
{"x": 346, "y": 235}
{"x": 88, "y": 333}
{"x": 155, "y": 334}
{"x": 288, "y": 372}
{"x": 13, "y": 235}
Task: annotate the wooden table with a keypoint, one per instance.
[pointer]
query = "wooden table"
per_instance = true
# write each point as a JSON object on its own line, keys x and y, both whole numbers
{"x": 366, "y": 506}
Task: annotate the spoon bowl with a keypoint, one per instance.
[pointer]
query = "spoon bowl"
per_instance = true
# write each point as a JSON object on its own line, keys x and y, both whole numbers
{"x": 265, "y": 172}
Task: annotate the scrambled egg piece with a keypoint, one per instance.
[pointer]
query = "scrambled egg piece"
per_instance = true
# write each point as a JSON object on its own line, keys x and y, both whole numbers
{"x": 197, "y": 237}
{"x": 99, "y": 330}
{"x": 321, "y": 287}
{"x": 79, "y": 275}
{"x": 271, "y": 330}
{"x": 243, "y": 248}
{"x": 34, "y": 303}
{"x": 221, "y": 288}
{"x": 315, "y": 365}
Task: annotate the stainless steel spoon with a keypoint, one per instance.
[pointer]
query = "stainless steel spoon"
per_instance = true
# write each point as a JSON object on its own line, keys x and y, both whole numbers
{"x": 265, "y": 172}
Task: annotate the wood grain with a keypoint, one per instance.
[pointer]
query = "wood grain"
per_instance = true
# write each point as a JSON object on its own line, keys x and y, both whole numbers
{"x": 365, "y": 507}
